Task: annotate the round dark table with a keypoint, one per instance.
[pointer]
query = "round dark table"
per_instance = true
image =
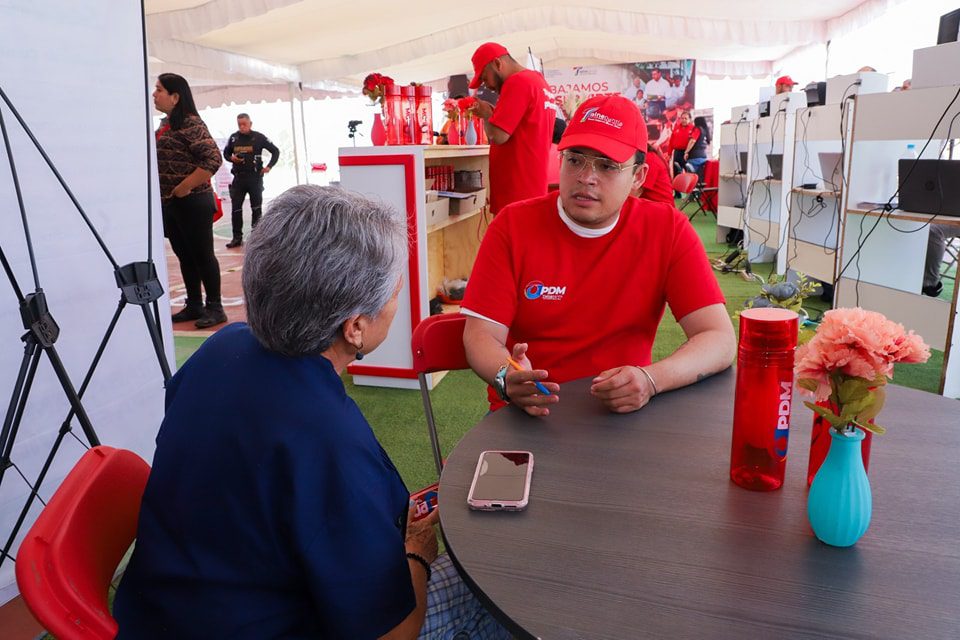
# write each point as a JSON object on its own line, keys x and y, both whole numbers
{"x": 634, "y": 529}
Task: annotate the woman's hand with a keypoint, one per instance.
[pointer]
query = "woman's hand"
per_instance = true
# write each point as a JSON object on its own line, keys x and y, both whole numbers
{"x": 422, "y": 536}
{"x": 181, "y": 190}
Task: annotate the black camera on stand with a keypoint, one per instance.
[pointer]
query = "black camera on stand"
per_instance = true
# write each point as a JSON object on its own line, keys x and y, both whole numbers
{"x": 352, "y": 129}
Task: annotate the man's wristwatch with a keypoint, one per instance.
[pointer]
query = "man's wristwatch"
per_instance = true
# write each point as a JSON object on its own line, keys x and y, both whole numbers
{"x": 500, "y": 383}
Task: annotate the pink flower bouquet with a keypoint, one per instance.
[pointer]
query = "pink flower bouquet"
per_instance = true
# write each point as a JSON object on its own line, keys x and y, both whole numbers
{"x": 848, "y": 362}
{"x": 452, "y": 109}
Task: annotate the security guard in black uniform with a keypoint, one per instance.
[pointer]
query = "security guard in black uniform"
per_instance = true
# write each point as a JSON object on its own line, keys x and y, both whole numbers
{"x": 243, "y": 150}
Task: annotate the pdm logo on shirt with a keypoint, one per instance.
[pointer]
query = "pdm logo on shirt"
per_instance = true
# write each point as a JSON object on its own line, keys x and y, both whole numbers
{"x": 536, "y": 290}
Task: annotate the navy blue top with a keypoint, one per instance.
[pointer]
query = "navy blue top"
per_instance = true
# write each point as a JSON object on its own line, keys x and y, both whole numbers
{"x": 271, "y": 510}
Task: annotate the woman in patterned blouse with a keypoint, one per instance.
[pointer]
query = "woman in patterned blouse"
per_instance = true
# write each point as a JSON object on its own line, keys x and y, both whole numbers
{"x": 187, "y": 158}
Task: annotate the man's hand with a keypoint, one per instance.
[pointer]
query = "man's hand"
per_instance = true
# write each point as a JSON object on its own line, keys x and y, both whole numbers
{"x": 422, "y": 536}
{"x": 236, "y": 159}
{"x": 265, "y": 171}
{"x": 483, "y": 109}
{"x": 622, "y": 389}
{"x": 521, "y": 389}
{"x": 181, "y": 190}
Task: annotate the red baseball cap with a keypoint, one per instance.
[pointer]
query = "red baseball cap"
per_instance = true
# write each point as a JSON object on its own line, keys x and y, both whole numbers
{"x": 611, "y": 125}
{"x": 484, "y": 55}
{"x": 784, "y": 80}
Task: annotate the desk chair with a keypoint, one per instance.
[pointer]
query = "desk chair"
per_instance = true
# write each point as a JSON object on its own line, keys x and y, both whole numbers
{"x": 437, "y": 345}
{"x": 68, "y": 559}
{"x": 692, "y": 191}
{"x": 950, "y": 257}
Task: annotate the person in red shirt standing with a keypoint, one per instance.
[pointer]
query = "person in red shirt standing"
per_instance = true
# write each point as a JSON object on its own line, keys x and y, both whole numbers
{"x": 576, "y": 282}
{"x": 684, "y": 137}
{"x": 519, "y": 127}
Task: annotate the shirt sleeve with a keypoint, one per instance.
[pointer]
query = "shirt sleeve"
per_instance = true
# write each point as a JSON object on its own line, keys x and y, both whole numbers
{"x": 491, "y": 289}
{"x": 514, "y": 103}
{"x": 691, "y": 283}
{"x": 272, "y": 148}
{"x": 228, "y": 150}
{"x": 695, "y": 134}
{"x": 202, "y": 146}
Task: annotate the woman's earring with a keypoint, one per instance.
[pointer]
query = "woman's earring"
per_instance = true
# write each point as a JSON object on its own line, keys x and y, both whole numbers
{"x": 359, "y": 355}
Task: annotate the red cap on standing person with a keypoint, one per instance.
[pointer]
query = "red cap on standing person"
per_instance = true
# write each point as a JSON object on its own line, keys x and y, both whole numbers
{"x": 484, "y": 55}
{"x": 611, "y": 125}
{"x": 785, "y": 80}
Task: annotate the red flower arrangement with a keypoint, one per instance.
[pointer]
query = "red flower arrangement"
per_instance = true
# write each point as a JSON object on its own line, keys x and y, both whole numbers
{"x": 466, "y": 104}
{"x": 375, "y": 86}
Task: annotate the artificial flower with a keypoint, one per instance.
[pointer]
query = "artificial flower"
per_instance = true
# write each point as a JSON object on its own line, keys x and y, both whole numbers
{"x": 848, "y": 362}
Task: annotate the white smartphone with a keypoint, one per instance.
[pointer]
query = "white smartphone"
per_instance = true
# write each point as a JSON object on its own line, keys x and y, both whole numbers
{"x": 501, "y": 481}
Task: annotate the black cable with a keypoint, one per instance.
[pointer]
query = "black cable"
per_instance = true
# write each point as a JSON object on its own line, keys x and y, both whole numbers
{"x": 939, "y": 184}
{"x": 886, "y": 208}
{"x": 63, "y": 183}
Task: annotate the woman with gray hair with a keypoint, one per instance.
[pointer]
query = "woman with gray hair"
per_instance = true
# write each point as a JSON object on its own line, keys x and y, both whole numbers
{"x": 271, "y": 509}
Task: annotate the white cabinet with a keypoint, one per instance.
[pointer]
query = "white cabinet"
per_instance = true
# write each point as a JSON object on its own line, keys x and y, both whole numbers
{"x": 444, "y": 250}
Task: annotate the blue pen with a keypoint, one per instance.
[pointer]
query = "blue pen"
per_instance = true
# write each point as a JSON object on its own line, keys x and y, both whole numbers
{"x": 542, "y": 389}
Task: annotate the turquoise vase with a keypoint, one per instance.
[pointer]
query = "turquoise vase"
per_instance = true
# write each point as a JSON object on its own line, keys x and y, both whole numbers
{"x": 840, "y": 504}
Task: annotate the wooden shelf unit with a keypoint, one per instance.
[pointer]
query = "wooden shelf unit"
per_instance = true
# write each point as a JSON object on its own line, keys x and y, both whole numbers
{"x": 443, "y": 251}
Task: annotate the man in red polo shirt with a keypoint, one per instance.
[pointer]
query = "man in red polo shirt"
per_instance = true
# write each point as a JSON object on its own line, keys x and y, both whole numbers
{"x": 519, "y": 127}
{"x": 577, "y": 282}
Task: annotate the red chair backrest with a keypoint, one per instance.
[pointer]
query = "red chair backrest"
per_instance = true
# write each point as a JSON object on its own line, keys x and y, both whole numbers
{"x": 685, "y": 182}
{"x": 66, "y": 562}
{"x": 438, "y": 344}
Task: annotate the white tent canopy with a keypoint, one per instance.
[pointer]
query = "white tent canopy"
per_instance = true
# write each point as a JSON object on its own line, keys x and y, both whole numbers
{"x": 238, "y": 48}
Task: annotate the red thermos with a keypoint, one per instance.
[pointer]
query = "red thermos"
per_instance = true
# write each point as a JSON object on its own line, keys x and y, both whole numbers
{"x": 393, "y": 110}
{"x": 425, "y": 114}
{"x": 764, "y": 396}
{"x": 411, "y": 132}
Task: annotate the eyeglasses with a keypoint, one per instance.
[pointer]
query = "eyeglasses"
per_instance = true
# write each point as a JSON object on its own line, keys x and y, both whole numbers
{"x": 574, "y": 164}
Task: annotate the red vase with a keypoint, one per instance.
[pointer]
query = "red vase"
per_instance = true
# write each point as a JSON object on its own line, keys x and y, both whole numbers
{"x": 378, "y": 134}
{"x": 820, "y": 444}
{"x": 453, "y": 133}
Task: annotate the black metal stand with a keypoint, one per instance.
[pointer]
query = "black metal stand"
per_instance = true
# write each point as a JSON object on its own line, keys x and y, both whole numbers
{"x": 138, "y": 285}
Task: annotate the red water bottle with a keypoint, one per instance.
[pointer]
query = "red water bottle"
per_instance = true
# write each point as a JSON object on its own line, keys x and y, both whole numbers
{"x": 408, "y": 98}
{"x": 764, "y": 396}
{"x": 425, "y": 113}
{"x": 393, "y": 114}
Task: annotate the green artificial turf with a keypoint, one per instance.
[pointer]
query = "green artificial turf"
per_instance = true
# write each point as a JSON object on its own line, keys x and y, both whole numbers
{"x": 459, "y": 401}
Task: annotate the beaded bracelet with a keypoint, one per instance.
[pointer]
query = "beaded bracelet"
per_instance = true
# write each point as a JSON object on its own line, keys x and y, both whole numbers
{"x": 650, "y": 378}
{"x": 422, "y": 561}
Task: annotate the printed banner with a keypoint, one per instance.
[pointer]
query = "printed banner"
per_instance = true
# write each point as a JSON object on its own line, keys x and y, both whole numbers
{"x": 661, "y": 88}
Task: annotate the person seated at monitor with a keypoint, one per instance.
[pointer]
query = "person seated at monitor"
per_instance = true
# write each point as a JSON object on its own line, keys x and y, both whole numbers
{"x": 575, "y": 283}
{"x": 271, "y": 510}
{"x": 937, "y": 242}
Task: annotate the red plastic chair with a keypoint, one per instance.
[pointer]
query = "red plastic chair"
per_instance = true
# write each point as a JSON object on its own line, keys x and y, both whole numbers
{"x": 69, "y": 557}
{"x": 685, "y": 184}
{"x": 437, "y": 346}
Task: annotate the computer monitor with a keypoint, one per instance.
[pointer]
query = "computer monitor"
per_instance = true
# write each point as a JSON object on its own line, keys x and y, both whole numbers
{"x": 775, "y": 160}
{"x": 830, "y": 168}
{"x": 949, "y": 26}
